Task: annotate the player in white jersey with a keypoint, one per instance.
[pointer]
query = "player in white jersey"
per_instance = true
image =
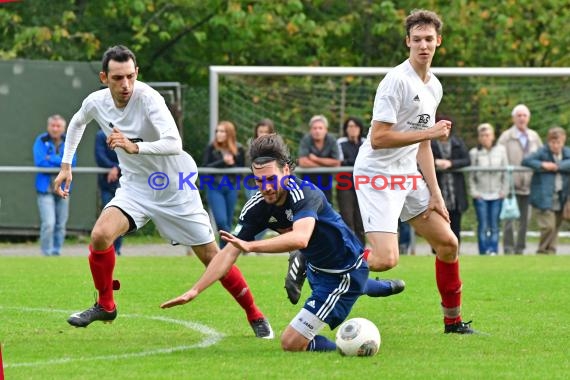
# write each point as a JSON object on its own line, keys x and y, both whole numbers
{"x": 141, "y": 129}
{"x": 387, "y": 182}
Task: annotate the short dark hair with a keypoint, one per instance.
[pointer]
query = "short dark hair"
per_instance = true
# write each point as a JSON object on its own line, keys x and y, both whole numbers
{"x": 270, "y": 148}
{"x": 356, "y": 121}
{"x": 422, "y": 17}
{"x": 117, "y": 53}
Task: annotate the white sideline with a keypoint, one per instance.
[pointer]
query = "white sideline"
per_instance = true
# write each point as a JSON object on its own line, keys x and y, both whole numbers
{"x": 211, "y": 337}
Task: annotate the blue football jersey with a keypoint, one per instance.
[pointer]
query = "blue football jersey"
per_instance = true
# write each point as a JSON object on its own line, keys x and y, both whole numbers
{"x": 332, "y": 247}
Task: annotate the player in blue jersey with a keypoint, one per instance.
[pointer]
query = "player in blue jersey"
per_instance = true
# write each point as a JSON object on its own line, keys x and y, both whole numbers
{"x": 299, "y": 211}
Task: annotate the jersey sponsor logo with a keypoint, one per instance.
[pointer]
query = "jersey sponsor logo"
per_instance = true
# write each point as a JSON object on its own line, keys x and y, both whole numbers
{"x": 421, "y": 123}
{"x": 311, "y": 303}
{"x": 423, "y": 118}
{"x": 272, "y": 220}
{"x": 289, "y": 214}
{"x": 416, "y": 98}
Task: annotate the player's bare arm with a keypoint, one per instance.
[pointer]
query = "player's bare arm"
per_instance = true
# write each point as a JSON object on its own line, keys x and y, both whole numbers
{"x": 216, "y": 269}
{"x": 384, "y": 137}
{"x": 64, "y": 176}
{"x": 427, "y": 167}
{"x": 117, "y": 140}
{"x": 297, "y": 238}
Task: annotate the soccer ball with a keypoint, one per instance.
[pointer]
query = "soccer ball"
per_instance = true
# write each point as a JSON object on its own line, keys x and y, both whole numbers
{"x": 358, "y": 337}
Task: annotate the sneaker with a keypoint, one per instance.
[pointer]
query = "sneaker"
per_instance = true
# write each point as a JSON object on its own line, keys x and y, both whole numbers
{"x": 296, "y": 274}
{"x": 459, "y": 328}
{"x": 383, "y": 288}
{"x": 94, "y": 313}
{"x": 398, "y": 286}
{"x": 262, "y": 328}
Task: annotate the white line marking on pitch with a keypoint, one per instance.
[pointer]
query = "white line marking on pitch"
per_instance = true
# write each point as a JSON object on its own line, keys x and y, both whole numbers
{"x": 211, "y": 337}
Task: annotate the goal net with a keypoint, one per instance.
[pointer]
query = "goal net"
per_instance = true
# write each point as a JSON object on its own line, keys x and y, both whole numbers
{"x": 290, "y": 96}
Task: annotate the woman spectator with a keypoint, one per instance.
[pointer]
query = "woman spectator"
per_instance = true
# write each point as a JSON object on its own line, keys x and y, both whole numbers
{"x": 348, "y": 147}
{"x": 223, "y": 152}
{"x": 262, "y": 128}
{"x": 488, "y": 188}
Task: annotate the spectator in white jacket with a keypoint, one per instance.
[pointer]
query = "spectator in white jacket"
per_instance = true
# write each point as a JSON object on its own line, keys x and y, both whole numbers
{"x": 488, "y": 188}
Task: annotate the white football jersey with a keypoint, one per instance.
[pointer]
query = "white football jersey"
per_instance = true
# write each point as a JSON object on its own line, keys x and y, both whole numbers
{"x": 404, "y": 100}
{"x": 147, "y": 121}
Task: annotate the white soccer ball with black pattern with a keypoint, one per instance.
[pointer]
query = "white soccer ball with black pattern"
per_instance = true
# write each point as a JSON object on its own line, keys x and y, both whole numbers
{"x": 358, "y": 337}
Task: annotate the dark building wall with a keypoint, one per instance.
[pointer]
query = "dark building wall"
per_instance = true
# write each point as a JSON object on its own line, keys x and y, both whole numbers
{"x": 30, "y": 91}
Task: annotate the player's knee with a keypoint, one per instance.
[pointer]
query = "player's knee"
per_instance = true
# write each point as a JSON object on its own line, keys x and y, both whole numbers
{"x": 292, "y": 345}
{"x": 447, "y": 248}
{"x": 100, "y": 238}
{"x": 384, "y": 260}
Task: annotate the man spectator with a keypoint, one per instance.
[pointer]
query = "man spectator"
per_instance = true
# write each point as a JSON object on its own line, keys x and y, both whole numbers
{"x": 319, "y": 148}
{"x": 549, "y": 186}
{"x": 48, "y": 152}
{"x": 519, "y": 141}
{"x": 450, "y": 153}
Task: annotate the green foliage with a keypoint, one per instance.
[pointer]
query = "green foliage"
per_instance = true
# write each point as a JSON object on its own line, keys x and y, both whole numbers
{"x": 177, "y": 40}
{"x": 180, "y": 39}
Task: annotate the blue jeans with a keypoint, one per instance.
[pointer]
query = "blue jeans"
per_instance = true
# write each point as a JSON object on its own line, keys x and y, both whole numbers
{"x": 54, "y": 212}
{"x": 106, "y": 196}
{"x": 488, "y": 225}
{"x": 405, "y": 233}
{"x": 222, "y": 202}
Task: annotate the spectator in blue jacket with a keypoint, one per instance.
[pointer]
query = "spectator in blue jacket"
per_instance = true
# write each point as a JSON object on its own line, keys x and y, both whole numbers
{"x": 53, "y": 210}
{"x": 549, "y": 186}
{"x": 107, "y": 182}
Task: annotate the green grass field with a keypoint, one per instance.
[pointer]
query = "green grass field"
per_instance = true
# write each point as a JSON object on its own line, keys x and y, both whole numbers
{"x": 521, "y": 304}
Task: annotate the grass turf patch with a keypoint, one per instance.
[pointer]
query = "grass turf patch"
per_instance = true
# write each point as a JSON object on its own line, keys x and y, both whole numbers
{"x": 519, "y": 303}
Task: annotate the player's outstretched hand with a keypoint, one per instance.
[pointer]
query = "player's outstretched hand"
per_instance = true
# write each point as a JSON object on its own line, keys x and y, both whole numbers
{"x": 64, "y": 177}
{"x": 242, "y": 245}
{"x": 180, "y": 300}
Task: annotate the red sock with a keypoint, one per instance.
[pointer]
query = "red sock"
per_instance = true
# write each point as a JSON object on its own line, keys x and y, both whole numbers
{"x": 235, "y": 284}
{"x": 102, "y": 264}
{"x": 449, "y": 285}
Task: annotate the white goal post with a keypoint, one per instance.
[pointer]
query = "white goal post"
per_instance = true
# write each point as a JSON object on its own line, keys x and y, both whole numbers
{"x": 217, "y": 71}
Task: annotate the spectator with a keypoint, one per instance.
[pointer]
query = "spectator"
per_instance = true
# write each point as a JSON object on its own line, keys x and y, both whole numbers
{"x": 48, "y": 152}
{"x": 318, "y": 148}
{"x": 450, "y": 153}
{"x": 519, "y": 141}
{"x": 404, "y": 237}
{"x": 262, "y": 128}
{"x": 224, "y": 152}
{"x": 107, "y": 182}
{"x": 549, "y": 186}
{"x": 348, "y": 147}
{"x": 488, "y": 188}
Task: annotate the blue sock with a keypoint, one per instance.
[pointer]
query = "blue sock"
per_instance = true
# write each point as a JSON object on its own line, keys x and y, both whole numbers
{"x": 320, "y": 343}
{"x": 378, "y": 288}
